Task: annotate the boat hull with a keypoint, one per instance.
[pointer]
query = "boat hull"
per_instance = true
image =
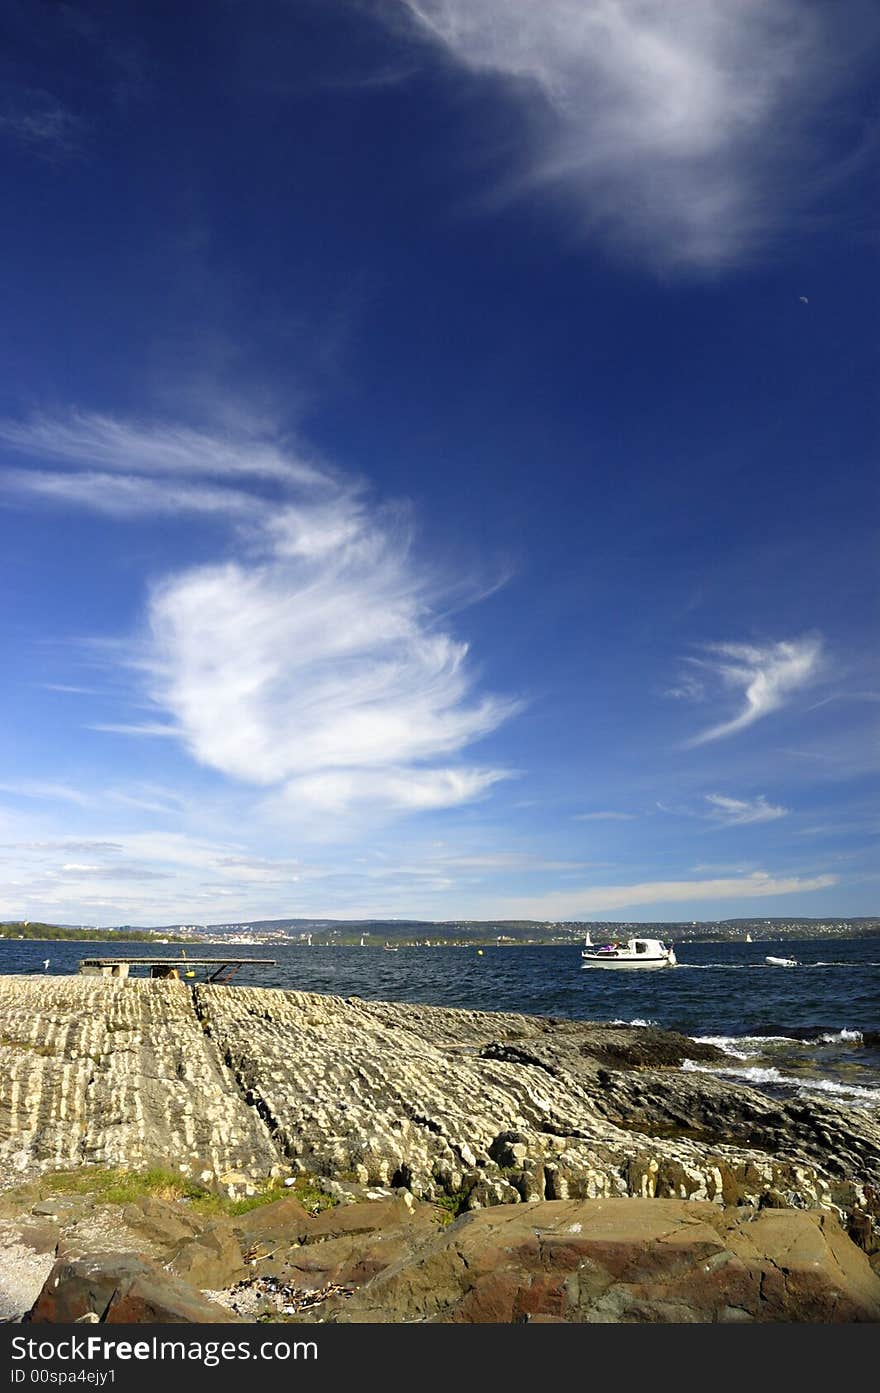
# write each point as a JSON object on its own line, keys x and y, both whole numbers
{"x": 626, "y": 964}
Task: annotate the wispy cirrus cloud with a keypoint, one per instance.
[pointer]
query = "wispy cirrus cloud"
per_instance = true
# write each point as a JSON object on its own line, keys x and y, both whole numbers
{"x": 688, "y": 131}
{"x": 732, "y": 812}
{"x": 604, "y": 817}
{"x": 45, "y": 790}
{"x": 142, "y": 877}
{"x": 40, "y": 124}
{"x": 157, "y": 728}
{"x": 129, "y": 496}
{"x": 90, "y": 438}
{"x": 596, "y": 899}
{"x": 767, "y": 676}
{"x": 147, "y": 797}
{"x": 314, "y": 665}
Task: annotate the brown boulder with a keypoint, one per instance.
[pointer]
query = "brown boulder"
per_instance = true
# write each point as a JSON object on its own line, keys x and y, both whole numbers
{"x": 370, "y": 1217}
{"x": 283, "y": 1221}
{"x": 165, "y": 1223}
{"x": 627, "y": 1260}
{"x": 211, "y": 1261}
{"x": 344, "y": 1246}
{"x": 120, "y": 1288}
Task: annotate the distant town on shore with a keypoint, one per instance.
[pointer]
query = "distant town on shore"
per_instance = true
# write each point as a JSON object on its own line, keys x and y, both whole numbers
{"x": 449, "y": 933}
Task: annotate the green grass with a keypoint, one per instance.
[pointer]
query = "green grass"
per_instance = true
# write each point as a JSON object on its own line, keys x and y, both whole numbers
{"x": 306, "y": 1189}
{"x": 114, "y": 1185}
{"x": 449, "y": 1207}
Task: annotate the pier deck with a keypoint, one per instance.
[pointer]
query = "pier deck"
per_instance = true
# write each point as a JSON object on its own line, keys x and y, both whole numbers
{"x": 224, "y": 969}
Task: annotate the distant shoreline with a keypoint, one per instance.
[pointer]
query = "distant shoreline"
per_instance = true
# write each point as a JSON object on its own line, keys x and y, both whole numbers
{"x": 488, "y": 941}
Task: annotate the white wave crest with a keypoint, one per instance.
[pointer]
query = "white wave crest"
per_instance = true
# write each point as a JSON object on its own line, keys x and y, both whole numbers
{"x": 756, "y": 1075}
{"x": 853, "y": 1091}
{"x": 744, "y": 1046}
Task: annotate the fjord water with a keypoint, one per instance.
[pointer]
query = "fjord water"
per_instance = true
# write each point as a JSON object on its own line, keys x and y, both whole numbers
{"x": 810, "y": 1029}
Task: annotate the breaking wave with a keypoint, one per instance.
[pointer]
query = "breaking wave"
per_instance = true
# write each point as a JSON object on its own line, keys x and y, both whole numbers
{"x": 763, "y": 1076}
{"x": 746, "y": 1046}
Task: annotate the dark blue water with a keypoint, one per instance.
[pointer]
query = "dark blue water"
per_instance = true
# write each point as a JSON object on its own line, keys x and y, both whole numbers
{"x": 812, "y": 1028}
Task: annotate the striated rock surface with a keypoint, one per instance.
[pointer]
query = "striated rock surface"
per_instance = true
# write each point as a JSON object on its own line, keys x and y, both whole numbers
{"x": 119, "y": 1074}
{"x": 234, "y": 1084}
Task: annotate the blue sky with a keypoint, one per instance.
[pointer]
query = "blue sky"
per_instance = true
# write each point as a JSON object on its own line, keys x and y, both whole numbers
{"x": 438, "y": 460}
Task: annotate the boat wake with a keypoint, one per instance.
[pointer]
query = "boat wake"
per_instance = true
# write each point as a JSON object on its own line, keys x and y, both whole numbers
{"x": 748, "y": 967}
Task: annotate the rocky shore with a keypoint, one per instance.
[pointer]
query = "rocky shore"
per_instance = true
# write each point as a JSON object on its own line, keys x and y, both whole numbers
{"x": 455, "y": 1112}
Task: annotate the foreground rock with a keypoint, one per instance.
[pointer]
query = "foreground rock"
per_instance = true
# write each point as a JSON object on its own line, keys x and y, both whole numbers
{"x": 627, "y": 1261}
{"x": 231, "y": 1085}
{"x": 621, "y": 1261}
{"x": 121, "y": 1289}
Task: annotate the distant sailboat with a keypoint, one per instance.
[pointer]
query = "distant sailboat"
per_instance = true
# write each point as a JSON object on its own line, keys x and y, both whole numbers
{"x": 748, "y": 938}
{"x": 588, "y": 942}
{"x": 363, "y": 941}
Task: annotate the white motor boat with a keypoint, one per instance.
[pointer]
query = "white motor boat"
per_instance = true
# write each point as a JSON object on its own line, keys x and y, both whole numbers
{"x": 635, "y": 953}
{"x": 782, "y": 962}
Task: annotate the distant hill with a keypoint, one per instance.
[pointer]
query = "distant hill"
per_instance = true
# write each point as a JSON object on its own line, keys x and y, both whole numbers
{"x": 373, "y": 931}
{"x": 27, "y": 928}
{"x": 346, "y": 932}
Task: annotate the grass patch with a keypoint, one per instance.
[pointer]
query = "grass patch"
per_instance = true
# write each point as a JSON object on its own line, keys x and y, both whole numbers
{"x": 115, "y": 1185}
{"x": 449, "y": 1207}
{"x": 312, "y": 1198}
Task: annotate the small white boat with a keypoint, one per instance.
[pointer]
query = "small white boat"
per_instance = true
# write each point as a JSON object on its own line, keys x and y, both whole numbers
{"x": 782, "y": 962}
{"x": 634, "y": 954}
{"x": 390, "y": 947}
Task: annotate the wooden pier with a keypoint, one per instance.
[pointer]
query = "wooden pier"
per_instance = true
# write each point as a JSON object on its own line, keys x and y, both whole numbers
{"x": 217, "y": 969}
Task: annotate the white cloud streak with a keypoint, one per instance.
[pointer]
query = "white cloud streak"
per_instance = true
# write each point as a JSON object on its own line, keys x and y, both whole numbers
{"x": 732, "y": 812}
{"x": 767, "y": 676}
{"x": 687, "y": 130}
{"x": 597, "y": 899}
{"x": 89, "y": 439}
{"x": 163, "y": 877}
{"x": 40, "y": 125}
{"x": 131, "y": 496}
{"x": 315, "y": 668}
{"x": 43, "y": 790}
